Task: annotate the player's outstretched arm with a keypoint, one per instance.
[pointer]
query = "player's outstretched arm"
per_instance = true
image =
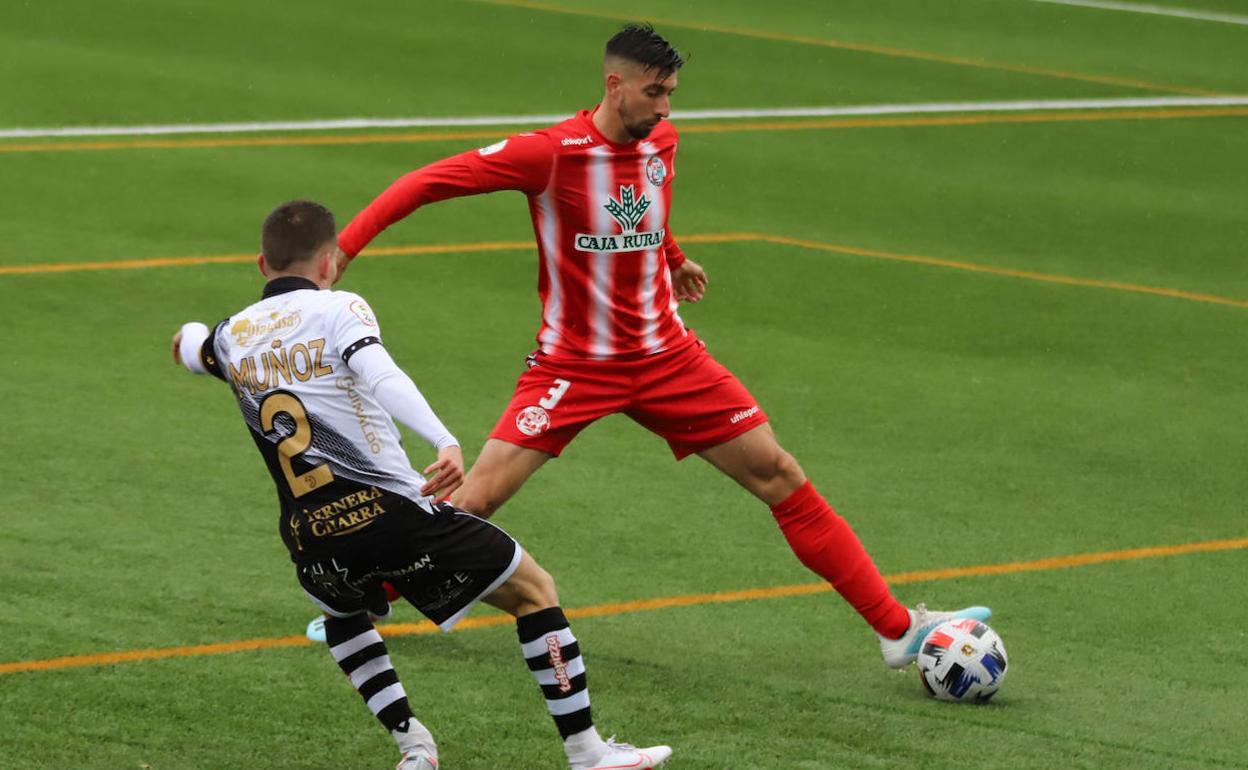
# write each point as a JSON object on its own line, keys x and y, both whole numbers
{"x": 520, "y": 162}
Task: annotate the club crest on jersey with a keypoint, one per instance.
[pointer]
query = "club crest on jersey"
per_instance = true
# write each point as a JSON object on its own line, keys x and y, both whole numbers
{"x": 656, "y": 171}
{"x": 363, "y": 312}
{"x": 532, "y": 421}
{"x": 627, "y": 211}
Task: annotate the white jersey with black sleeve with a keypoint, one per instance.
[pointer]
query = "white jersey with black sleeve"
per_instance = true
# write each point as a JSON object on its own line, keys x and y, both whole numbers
{"x": 317, "y": 391}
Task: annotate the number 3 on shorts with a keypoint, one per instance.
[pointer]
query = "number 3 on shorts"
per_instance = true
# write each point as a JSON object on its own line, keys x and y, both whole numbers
{"x": 554, "y": 394}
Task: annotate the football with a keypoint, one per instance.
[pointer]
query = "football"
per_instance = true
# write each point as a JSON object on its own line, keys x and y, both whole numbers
{"x": 962, "y": 660}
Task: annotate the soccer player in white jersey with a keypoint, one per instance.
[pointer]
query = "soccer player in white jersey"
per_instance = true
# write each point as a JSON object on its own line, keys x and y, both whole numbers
{"x": 599, "y": 189}
{"x": 317, "y": 390}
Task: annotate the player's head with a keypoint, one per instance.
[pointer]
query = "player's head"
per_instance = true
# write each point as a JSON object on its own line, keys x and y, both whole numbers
{"x": 299, "y": 238}
{"x": 639, "y": 69}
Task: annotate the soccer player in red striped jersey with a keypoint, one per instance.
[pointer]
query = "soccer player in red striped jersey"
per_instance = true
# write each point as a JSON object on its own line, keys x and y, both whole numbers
{"x": 599, "y": 188}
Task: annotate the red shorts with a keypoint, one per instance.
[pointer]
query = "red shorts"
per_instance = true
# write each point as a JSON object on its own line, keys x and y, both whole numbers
{"x": 683, "y": 395}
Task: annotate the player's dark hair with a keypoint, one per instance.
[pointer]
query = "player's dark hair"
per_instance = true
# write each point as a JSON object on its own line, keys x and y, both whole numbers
{"x": 640, "y": 43}
{"x": 294, "y": 232}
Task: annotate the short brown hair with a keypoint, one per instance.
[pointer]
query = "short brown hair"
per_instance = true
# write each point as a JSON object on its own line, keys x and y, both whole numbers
{"x": 295, "y": 232}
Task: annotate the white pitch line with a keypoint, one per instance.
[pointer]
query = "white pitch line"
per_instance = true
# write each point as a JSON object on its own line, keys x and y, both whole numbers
{"x": 1157, "y": 10}
{"x": 679, "y": 115}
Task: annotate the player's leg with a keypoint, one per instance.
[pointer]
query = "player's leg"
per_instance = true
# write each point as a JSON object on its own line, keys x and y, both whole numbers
{"x": 821, "y": 539}
{"x": 498, "y": 473}
{"x": 700, "y": 407}
{"x": 825, "y": 542}
{"x": 552, "y": 403}
{"x": 361, "y": 654}
{"x": 553, "y": 655}
{"x": 316, "y": 627}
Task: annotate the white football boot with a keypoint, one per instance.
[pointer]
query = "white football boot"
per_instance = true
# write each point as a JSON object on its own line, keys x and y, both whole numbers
{"x": 899, "y": 653}
{"x": 622, "y": 756}
{"x": 417, "y": 761}
{"x": 316, "y": 629}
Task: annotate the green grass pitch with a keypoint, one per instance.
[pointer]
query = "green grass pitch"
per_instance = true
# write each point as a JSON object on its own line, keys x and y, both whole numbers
{"x": 956, "y": 418}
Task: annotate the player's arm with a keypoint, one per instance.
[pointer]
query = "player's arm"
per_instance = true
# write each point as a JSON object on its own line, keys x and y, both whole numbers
{"x": 359, "y": 342}
{"x": 520, "y": 162}
{"x": 399, "y": 396}
{"x": 193, "y": 349}
{"x": 688, "y": 277}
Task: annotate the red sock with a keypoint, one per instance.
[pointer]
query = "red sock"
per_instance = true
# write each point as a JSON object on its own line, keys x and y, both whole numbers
{"x": 826, "y": 544}
{"x": 392, "y": 593}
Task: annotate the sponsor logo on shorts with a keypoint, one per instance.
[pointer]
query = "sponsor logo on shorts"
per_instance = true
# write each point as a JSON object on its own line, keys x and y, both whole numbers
{"x": 533, "y": 421}
{"x": 556, "y": 662}
{"x": 425, "y": 562}
{"x": 747, "y": 414}
{"x": 656, "y": 171}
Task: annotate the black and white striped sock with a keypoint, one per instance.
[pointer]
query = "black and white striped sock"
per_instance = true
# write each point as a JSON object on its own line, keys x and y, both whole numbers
{"x": 554, "y": 657}
{"x": 361, "y": 654}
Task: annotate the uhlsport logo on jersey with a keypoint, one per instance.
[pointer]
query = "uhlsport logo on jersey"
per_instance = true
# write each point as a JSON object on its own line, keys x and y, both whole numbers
{"x": 627, "y": 211}
{"x": 533, "y": 421}
{"x": 273, "y": 326}
{"x": 493, "y": 148}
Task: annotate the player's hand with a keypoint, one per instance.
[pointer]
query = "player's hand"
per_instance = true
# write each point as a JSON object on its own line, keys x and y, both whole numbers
{"x": 689, "y": 281}
{"x": 341, "y": 260}
{"x": 177, "y": 348}
{"x": 446, "y": 475}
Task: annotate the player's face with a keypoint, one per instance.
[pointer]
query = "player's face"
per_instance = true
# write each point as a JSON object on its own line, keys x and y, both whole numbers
{"x": 645, "y": 99}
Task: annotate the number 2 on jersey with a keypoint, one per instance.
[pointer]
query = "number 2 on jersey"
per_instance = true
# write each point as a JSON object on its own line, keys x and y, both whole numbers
{"x": 295, "y": 444}
{"x": 554, "y": 394}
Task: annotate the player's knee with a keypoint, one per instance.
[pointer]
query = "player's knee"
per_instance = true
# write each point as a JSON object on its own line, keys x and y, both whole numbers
{"x": 787, "y": 470}
{"x": 537, "y": 590}
{"x": 476, "y": 502}
{"x": 544, "y": 589}
{"x": 777, "y": 475}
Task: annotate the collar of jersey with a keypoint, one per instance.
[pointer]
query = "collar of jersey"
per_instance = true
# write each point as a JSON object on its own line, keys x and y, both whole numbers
{"x": 587, "y": 116}
{"x": 287, "y": 283}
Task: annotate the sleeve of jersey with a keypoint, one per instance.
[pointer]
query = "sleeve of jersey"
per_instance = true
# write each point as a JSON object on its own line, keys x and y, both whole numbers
{"x": 196, "y": 349}
{"x": 355, "y": 327}
{"x": 399, "y": 396}
{"x": 521, "y": 162}
{"x": 675, "y": 257}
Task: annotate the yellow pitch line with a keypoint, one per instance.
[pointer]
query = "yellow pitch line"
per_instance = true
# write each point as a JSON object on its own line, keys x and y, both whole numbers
{"x": 913, "y": 121}
{"x": 879, "y": 50}
{"x": 487, "y": 246}
{"x": 142, "y": 264}
{"x": 384, "y": 251}
{"x": 1028, "y": 275}
{"x": 642, "y": 605}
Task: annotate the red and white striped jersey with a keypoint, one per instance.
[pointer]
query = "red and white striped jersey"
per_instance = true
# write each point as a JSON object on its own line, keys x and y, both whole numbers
{"x": 599, "y": 213}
